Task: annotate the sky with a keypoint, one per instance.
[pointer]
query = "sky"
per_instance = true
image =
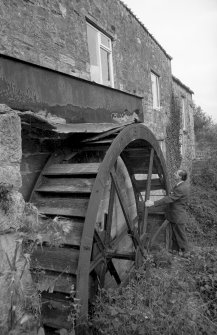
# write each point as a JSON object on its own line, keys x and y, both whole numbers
{"x": 187, "y": 30}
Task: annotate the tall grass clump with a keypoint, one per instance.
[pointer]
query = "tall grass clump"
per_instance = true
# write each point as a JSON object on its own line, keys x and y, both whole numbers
{"x": 163, "y": 297}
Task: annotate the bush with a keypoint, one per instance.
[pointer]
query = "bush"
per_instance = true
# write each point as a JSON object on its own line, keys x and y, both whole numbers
{"x": 157, "y": 301}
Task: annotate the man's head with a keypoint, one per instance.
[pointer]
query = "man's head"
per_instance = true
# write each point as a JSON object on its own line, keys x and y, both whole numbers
{"x": 181, "y": 175}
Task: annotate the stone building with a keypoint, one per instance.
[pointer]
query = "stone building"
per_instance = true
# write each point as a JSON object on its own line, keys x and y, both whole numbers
{"x": 98, "y": 41}
{"x": 78, "y": 65}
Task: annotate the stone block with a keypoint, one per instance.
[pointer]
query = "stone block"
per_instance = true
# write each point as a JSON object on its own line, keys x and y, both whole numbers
{"x": 11, "y": 211}
{"x": 10, "y": 137}
{"x": 11, "y": 175}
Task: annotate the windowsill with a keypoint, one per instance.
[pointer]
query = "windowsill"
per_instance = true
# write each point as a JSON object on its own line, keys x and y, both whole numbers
{"x": 102, "y": 84}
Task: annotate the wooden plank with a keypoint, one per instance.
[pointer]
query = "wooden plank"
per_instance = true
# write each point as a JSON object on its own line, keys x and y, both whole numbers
{"x": 159, "y": 168}
{"x": 147, "y": 193}
{"x": 109, "y": 216}
{"x": 124, "y": 255}
{"x": 62, "y": 206}
{"x": 71, "y": 230}
{"x": 108, "y": 141}
{"x": 55, "y": 312}
{"x": 54, "y": 158}
{"x": 71, "y": 169}
{"x": 62, "y": 260}
{"x": 86, "y": 127}
{"x": 66, "y": 185}
{"x": 140, "y": 167}
{"x": 159, "y": 210}
{"x": 141, "y": 185}
{"x": 54, "y": 281}
{"x": 135, "y": 237}
{"x": 105, "y": 134}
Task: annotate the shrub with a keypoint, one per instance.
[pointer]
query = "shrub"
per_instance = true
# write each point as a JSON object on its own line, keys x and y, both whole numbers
{"x": 156, "y": 301}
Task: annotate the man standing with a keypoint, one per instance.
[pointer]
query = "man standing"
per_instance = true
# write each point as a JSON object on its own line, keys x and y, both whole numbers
{"x": 176, "y": 212}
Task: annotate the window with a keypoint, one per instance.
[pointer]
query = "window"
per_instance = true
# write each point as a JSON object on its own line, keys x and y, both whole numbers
{"x": 100, "y": 51}
{"x": 155, "y": 90}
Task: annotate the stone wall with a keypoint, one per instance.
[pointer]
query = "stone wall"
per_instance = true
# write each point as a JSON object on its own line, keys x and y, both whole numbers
{"x": 15, "y": 279}
{"x": 53, "y": 34}
{"x": 10, "y": 177}
{"x": 183, "y": 93}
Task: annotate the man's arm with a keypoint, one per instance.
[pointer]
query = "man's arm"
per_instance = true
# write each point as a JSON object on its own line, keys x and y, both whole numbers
{"x": 172, "y": 197}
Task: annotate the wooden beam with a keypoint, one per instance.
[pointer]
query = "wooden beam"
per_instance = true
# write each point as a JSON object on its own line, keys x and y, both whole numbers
{"x": 109, "y": 215}
{"x": 124, "y": 255}
{"x": 71, "y": 169}
{"x": 109, "y": 263}
{"x": 147, "y": 193}
{"x": 66, "y": 185}
{"x": 133, "y": 233}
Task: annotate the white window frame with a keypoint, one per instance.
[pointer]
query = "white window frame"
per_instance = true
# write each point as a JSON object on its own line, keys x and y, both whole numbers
{"x": 155, "y": 90}
{"x": 100, "y": 46}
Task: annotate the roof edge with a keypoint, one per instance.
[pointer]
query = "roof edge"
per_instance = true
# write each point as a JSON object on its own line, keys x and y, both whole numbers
{"x": 143, "y": 26}
{"x": 181, "y": 84}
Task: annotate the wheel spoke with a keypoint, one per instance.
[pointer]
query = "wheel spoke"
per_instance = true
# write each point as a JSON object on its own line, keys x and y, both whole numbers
{"x": 109, "y": 216}
{"x": 113, "y": 271}
{"x": 133, "y": 233}
{"x": 108, "y": 262}
{"x": 147, "y": 193}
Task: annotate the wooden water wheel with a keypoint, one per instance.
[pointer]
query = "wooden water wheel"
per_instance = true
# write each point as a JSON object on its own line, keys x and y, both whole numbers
{"x": 98, "y": 189}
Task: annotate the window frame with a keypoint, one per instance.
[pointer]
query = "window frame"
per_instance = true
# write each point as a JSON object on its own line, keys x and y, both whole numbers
{"x": 156, "y": 91}
{"x": 100, "y": 46}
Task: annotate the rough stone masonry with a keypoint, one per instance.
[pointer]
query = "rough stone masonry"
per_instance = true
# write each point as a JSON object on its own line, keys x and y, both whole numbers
{"x": 14, "y": 277}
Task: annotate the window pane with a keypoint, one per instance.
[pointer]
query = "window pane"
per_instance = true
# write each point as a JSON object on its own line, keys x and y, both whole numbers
{"x": 92, "y": 44}
{"x": 155, "y": 90}
{"x": 105, "y": 41}
{"x": 92, "y": 39}
{"x": 105, "y": 66}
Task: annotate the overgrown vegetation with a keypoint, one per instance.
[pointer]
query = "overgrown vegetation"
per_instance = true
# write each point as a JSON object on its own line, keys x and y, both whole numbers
{"x": 204, "y": 127}
{"x": 173, "y": 296}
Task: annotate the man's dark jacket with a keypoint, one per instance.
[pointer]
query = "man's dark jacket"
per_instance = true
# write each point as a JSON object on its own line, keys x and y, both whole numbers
{"x": 176, "y": 201}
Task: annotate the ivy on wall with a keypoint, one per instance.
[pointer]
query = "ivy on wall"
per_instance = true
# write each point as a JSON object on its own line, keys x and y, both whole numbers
{"x": 173, "y": 143}
{"x": 5, "y": 197}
